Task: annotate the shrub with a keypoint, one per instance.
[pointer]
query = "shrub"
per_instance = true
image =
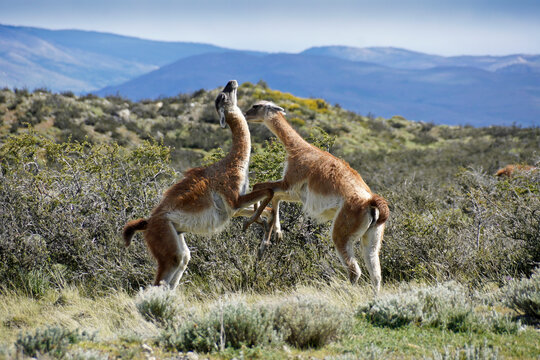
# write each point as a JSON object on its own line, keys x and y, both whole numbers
{"x": 446, "y": 306}
{"x": 524, "y": 295}
{"x": 158, "y": 304}
{"x": 228, "y": 261}
{"x": 80, "y": 354}
{"x": 68, "y": 94}
{"x": 301, "y": 322}
{"x": 52, "y": 340}
{"x": 468, "y": 352}
{"x": 232, "y": 324}
{"x": 65, "y": 205}
{"x": 34, "y": 283}
{"x": 473, "y": 229}
{"x": 308, "y": 322}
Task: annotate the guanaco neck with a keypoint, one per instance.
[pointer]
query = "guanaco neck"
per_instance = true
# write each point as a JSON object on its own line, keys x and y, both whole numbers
{"x": 238, "y": 157}
{"x": 286, "y": 133}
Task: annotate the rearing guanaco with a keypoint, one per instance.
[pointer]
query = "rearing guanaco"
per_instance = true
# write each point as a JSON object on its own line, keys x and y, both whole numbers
{"x": 204, "y": 200}
{"x": 329, "y": 190}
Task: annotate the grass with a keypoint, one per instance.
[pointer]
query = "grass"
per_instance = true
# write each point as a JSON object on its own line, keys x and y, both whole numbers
{"x": 121, "y": 325}
{"x": 110, "y": 316}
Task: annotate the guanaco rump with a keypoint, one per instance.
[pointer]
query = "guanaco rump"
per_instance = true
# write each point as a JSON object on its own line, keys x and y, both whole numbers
{"x": 510, "y": 169}
{"x": 204, "y": 200}
{"x": 329, "y": 190}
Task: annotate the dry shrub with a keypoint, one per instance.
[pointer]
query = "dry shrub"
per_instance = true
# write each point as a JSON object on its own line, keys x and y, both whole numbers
{"x": 65, "y": 205}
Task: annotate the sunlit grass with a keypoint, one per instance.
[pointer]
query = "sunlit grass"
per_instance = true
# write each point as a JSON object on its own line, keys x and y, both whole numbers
{"x": 121, "y": 327}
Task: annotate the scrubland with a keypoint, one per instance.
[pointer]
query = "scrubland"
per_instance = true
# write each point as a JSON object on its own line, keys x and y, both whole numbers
{"x": 458, "y": 257}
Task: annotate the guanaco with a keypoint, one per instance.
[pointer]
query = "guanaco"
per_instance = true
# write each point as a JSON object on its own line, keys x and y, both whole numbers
{"x": 329, "y": 189}
{"x": 204, "y": 200}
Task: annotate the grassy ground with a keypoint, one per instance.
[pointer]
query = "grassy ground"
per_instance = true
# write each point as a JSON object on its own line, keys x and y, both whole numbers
{"x": 120, "y": 329}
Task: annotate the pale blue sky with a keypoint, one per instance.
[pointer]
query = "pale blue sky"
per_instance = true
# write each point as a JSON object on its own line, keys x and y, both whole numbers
{"x": 445, "y": 27}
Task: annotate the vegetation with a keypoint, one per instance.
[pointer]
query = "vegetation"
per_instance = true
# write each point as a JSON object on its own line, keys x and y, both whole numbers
{"x": 49, "y": 341}
{"x": 321, "y": 321}
{"x": 62, "y": 206}
{"x": 74, "y": 169}
{"x": 447, "y": 306}
{"x": 524, "y": 296}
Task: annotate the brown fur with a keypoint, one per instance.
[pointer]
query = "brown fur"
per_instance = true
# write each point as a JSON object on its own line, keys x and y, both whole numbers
{"x": 380, "y": 203}
{"x": 131, "y": 227}
{"x": 197, "y": 193}
{"x": 510, "y": 169}
{"x": 327, "y": 175}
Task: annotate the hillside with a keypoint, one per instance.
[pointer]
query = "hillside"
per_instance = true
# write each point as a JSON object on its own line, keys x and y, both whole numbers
{"x": 444, "y": 95}
{"x": 188, "y": 124}
{"x": 82, "y": 61}
{"x": 438, "y": 180}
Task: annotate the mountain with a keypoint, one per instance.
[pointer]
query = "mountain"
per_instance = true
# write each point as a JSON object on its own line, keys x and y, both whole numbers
{"x": 406, "y": 59}
{"x": 447, "y": 95}
{"x": 385, "y": 81}
{"x": 82, "y": 61}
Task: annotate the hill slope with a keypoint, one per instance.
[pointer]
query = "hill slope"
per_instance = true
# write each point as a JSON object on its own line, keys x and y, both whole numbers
{"x": 188, "y": 124}
{"x": 406, "y": 59}
{"x": 449, "y": 95}
{"x": 82, "y": 61}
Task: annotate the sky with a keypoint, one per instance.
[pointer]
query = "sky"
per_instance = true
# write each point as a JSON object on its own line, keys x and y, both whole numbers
{"x": 443, "y": 27}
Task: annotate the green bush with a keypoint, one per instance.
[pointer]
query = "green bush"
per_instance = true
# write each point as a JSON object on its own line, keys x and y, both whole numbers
{"x": 476, "y": 228}
{"x": 34, "y": 283}
{"x": 468, "y": 352}
{"x": 524, "y": 295}
{"x": 65, "y": 205}
{"x": 159, "y": 304}
{"x": 80, "y": 354}
{"x": 228, "y": 261}
{"x": 308, "y": 322}
{"x": 52, "y": 340}
{"x": 446, "y": 306}
{"x": 301, "y": 322}
{"x": 233, "y": 324}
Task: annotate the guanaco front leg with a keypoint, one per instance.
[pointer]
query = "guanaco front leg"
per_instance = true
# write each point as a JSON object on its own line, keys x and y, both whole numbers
{"x": 273, "y": 186}
{"x": 253, "y": 197}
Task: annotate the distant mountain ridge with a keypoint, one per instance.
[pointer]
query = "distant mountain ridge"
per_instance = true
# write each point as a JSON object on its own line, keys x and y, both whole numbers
{"x": 82, "y": 61}
{"x": 444, "y": 95}
{"x": 386, "y": 81}
{"x": 406, "y": 59}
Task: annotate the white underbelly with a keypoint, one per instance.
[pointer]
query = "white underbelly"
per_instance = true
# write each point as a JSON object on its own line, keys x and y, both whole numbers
{"x": 317, "y": 206}
{"x": 208, "y": 221}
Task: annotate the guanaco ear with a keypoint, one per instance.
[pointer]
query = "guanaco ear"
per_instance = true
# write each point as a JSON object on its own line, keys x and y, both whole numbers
{"x": 274, "y": 107}
{"x": 222, "y": 122}
{"x": 220, "y": 100}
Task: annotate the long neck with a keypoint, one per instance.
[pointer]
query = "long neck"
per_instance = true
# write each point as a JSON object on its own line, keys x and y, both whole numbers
{"x": 241, "y": 143}
{"x": 285, "y": 132}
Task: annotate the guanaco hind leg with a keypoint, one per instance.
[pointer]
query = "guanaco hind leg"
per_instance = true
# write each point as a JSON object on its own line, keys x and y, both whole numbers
{"x": 371, "y": 244}
{"x": 184, "y": 255}
{"x": 170, "y": 251}
{"x": 348, "y": 226}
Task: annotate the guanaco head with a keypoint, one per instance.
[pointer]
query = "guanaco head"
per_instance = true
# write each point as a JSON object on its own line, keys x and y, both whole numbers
{"x": 262, "y": 110}
{"x": 226, "y": 101}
